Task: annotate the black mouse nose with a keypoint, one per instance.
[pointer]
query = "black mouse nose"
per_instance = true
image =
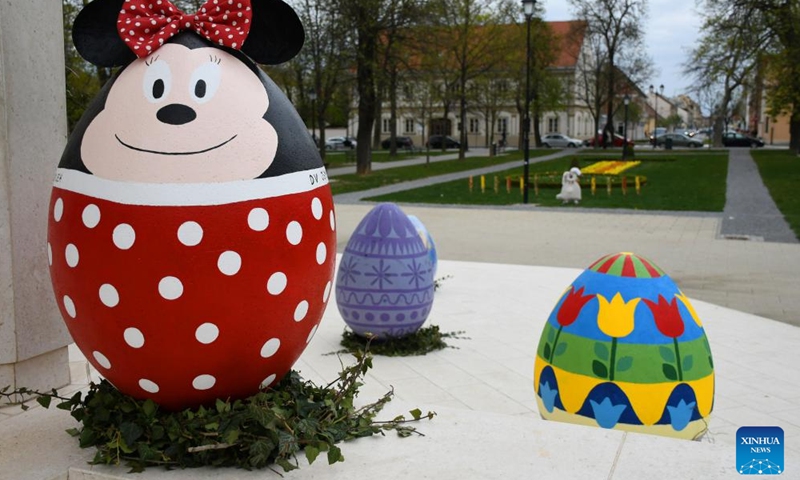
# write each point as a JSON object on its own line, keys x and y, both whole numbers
{"x": 176, "y": 114}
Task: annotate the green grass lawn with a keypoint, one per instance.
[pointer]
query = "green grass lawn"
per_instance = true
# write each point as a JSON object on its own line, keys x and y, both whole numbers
{"x": 353, "y": 182}
{"x": 674, "y": 182}
{"x": 780, "y": 170}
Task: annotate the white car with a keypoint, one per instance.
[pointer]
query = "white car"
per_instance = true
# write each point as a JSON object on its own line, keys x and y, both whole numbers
{"x": 557, "y": 140}
{"x": 340, "y": 143}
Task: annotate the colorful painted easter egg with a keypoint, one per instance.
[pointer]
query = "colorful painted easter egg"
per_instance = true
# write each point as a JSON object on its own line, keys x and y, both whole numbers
{"x": 384, "y": 286}
{"x": 625, "y": 349}
{"x": 425, "y": 235}
{"x": 191, "y": 233}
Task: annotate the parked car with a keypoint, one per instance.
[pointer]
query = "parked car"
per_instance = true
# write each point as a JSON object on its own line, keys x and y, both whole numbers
{"x": 436, "y": 141}
{"x": 340, "y": 143}
{"x": 618, "y": 140}
{"x": 678, "y": 140}
{"x": 557, "y": 140}
{"x": 402, "y": 142}
{"x": 735, "y": 139}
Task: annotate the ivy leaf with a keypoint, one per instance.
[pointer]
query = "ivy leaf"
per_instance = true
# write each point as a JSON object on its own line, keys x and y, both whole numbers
{"x": 667, "y": 354}
{"x": 130, "y": 432}
{"x": 669, "y": 371}
{"x": 335, "y": 455}
{"x": 149, "y": 407}
{"x": 546, "y": 350}
{"x": 416, "y": 413}
{"x": 601, "y": 350}
{"x": 561, "y": 348}
{"x": 311, "y": 454}
{"x": 624, "y": 364}
{"x": 73, "y": 432}
{"x": 44, "y": 400}
{"x": 286, "y": 464}
{"x": 688, "y": 363}
{"x": 599, "y": 368}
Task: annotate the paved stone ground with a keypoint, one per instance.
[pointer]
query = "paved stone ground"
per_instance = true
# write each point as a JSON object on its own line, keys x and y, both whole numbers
{"x": 749, "y": 209}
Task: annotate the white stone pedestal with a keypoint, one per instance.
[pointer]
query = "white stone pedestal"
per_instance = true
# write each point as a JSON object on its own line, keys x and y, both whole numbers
{"x": 33, "y": 132}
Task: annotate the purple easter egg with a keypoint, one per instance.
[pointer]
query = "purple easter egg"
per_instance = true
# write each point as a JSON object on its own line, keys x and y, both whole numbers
{"x": 384, "y": 286}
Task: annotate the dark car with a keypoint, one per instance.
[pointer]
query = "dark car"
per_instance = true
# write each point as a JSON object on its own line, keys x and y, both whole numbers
{"x": 436, "y": 141}
{"x": 617, "y": 142}
{"x": 678, "y": 140}
{"x": 734, "y": 139}
{"x": 402, "y": 142}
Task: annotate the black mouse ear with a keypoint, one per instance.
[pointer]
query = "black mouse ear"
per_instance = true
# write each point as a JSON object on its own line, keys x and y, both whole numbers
{"x": 276, "y": 33}
{"x": 95, "y": 35}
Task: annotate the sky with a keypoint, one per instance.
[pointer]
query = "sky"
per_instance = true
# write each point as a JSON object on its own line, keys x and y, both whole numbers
{"x": 671, "y": 30}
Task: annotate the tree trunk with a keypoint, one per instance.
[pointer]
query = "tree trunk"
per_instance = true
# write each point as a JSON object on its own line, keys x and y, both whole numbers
{"x": 365, "y": 83}
{"x": 393, "y": 112}
{"x": 794, "y": 132}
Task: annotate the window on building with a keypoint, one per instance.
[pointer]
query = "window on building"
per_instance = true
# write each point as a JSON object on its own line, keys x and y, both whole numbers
{"x": 386, "y": 125}
{"x": 409, "y": 124}
{"x": 501, "y": 87}
{"x": 552, "y": 124}
{"x": 474, "y": 125}
{"x": 502, "y": 125}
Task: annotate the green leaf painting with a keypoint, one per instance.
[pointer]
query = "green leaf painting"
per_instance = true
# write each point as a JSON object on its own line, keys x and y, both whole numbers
{"x": 669, "y": 371}
{"x": 601, "y": 350}
{"x": 668, "y": 354}
{"x": 624, "y": 364}
{"x": 599, "y": 368}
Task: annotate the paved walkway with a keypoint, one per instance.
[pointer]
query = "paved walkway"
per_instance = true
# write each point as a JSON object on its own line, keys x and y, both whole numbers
{"x": 749, "y": 209}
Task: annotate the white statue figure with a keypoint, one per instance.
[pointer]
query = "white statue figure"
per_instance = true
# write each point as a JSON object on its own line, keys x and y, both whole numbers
{"x": 570, "y": 186}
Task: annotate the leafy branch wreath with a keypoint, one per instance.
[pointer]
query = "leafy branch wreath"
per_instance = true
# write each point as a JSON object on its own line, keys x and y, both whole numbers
{"x": 269, "y": 428}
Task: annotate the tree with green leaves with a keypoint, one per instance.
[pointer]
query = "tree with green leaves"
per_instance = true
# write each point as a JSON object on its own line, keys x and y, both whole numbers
{"x": 616, "y": 28}
{"x": 471, "y": 38}
{"x": 731, "y": 41}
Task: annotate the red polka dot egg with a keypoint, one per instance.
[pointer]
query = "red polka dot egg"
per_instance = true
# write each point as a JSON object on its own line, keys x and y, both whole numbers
{"x": 191, "y": 233}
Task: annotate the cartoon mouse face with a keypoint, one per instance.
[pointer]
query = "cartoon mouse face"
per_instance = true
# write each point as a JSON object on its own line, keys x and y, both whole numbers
{"x": 181, "y": 116}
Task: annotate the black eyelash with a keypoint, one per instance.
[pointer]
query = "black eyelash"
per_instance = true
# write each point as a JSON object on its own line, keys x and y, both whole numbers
{"x": 214, "y": 59}
{"x": 151, "y": 61}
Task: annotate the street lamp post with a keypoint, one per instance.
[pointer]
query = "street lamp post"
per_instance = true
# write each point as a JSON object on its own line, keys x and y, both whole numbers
{"x": 313, "y": 96}
{"x": 528, "y": 6}
{"x": 626, "y": 100}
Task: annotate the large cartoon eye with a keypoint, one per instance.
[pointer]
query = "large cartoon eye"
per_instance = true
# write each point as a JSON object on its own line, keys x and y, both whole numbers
{"x": 204, "y": 83}
{"x": 157, "y": 81}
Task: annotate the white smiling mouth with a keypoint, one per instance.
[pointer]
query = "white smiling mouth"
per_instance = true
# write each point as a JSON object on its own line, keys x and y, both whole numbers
{"x": 172, "y": 153}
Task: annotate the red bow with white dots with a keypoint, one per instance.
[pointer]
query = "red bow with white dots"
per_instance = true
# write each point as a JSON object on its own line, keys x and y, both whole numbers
{"x": 144, "y": 25}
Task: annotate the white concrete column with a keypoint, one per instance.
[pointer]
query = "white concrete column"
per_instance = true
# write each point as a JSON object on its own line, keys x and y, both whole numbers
{"x": 33, "y": 131}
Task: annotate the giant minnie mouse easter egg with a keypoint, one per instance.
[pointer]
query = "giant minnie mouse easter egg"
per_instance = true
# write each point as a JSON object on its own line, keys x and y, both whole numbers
{"x": 624, "y": 349}
{"x": 191, "y": 230}
{"x": 384, "y": 286}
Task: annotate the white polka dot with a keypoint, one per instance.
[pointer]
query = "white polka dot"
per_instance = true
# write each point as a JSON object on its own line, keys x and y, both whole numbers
{"x": 123, "y": 236}
{"x": 322, "y": 253}
{"x": 258, "y": 219}
{"x": 133, "y": 337}
{"x": 58, "y": 210}
{"x": 69, "y": 306}
{"x": 333, "y": 221}
{"x": 229, "y": 263}
{"x": 49, "y": 254}
{"x": 148, "y": 385}
{"x": 91, "y": 215}
{"x": 327, "y": 292}
{"x": 109, "y": 295}
{"x": 276, "y": 283}
{"x": 301, "y": 311}
{"x": 102, "y": 360}
{"x": 190, "y": 233}
{"x": 203, "y": 382}
{"x": 170, "y": 288}
{"x": 206, "y": 333}
{"x": 270, "y": 347}
{"x": 71, "y": 252}
{"x": 312, "y": 333}
{"x": 316, "y": 208}
{"x": 268, "y": 381}
{"x": 294, "y": 233}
